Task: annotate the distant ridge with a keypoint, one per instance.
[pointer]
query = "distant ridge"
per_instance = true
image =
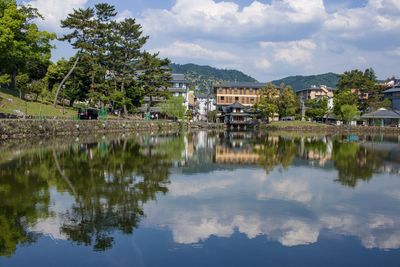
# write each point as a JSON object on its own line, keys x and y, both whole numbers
{"x": 204, "y": 76}
{"x": 300, "y": 82}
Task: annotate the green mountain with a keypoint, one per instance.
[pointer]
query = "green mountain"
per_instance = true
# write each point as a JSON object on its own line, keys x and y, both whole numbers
{"x": 204, "y": 76}
{"x": 300, "y": 82}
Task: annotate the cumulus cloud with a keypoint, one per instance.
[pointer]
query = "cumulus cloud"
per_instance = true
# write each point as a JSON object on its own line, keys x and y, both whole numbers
{"x": 291, "y": 52}
{"x": 228, "y": 20}
{"x": 304, "y": 37}
{"x": 183, "y": 50}
{"x": 54, "y": 11}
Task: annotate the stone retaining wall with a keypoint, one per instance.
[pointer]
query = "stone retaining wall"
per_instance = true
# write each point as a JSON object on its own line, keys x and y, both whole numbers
{"x": 334, "y": 129}
{"x": 33, "y": 128}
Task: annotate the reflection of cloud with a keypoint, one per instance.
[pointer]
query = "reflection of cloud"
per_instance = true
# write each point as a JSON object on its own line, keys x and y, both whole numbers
{"x": 290, "y": 207}
{"x": 51, "y": 226}
{"x": 288, "y": 189}
{"x": 298, "y": 233}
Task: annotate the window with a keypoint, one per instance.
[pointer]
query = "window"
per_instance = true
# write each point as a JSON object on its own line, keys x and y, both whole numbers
{"x": 222, "y": 98}
{"x": 252, "y": 100}
{"x": 230, "y": 99}
{"x": 243, "y": 99}
{"x": 236, "y": 98}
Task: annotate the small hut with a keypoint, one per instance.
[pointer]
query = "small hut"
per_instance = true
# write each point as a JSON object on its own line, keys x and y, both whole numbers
{"x": 382, "y": 117}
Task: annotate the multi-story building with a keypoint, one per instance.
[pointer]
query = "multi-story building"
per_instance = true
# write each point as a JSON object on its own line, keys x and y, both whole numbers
{"x": 314, "y": 92}
{"x": 245, "y": 93}
{"x": 231, "y": 94}
{"x": 179, "y": 86}
{"x": 393, "y": 93}
{"x": 204, "y": 103}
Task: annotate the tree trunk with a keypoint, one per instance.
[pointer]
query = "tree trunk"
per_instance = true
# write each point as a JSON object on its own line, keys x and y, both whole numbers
{"x": 123, "y": 91}
{"x": 14, "y": 79}
{"x": 65, "y": 78}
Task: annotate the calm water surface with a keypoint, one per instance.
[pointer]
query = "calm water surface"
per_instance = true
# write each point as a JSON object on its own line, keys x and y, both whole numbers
{"x": 201, "y": 199}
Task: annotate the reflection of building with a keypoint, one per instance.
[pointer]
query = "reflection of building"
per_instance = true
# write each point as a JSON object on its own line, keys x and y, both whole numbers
{"x": 228, "y": 155}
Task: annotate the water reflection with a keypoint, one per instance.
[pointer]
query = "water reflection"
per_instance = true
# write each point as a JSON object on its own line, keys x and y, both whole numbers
{"x": 285, "y": 187}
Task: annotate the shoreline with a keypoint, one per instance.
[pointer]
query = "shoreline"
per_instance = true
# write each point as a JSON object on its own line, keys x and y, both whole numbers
{"x": 331, "y": 129}
{"x": 25, "y": 128}
{"x": 22, "y": 128}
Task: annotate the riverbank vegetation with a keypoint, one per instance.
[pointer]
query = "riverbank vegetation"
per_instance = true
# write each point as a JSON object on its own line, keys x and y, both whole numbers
{"x": 110, "y": 68}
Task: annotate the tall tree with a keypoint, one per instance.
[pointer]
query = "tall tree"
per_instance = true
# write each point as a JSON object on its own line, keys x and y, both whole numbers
{"x": 155, "y": 76}
{"x": 288, "y": 102}
{"x": 23, "y": 47}
{"x": 81, "y": 23}
{"x": 317, "y": 108}
{"x": 269, "y": 101}
{"x": 125, "y": 44}
{"x": 344, "y": 97}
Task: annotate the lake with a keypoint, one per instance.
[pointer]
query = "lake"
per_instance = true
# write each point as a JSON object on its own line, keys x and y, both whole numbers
{"x": 201, "y": 199}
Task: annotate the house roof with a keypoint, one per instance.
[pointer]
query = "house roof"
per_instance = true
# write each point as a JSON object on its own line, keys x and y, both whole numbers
{"x": 241, "y": 85}
{"x": 178, "y": 78}
{"x": 236, "y": 105}
{"x": 317, "y": 88}
{"x": 382, "y": 114}
{"x": 392, "y": 90}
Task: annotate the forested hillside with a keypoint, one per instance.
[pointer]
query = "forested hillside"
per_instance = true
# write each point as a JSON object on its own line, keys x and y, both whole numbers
{"x": 205, "y": 76}
{"x": 300, "y": 82}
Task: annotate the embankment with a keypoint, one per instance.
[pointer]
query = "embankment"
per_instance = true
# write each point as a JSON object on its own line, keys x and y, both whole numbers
{"x": 14, "y": 129}
{"x": 323, "y": 128}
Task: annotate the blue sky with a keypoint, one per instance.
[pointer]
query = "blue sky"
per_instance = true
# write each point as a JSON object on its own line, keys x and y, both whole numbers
{"x": 266, "y": 39}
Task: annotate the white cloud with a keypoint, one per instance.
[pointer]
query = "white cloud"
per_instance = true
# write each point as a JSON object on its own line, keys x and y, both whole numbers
{"x": 263, "y": 63}
{"x": 194, "y": 51}
{"x": 54, "y": 11}
{"x": 226, "y": 19}
{"x": 294, "y": 52}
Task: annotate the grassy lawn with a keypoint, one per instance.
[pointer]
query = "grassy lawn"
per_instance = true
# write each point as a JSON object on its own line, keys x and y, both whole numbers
{"x": 296, "y": 124}
{"x": 9, "y": 102}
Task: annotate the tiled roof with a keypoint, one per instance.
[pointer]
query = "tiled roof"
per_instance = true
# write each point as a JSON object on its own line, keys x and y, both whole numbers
{"x": 382, "y": 114}
{"x": 236, "y": 105}
{"x": 393, "y": 90}
{"x": 241, "y": 85}
{"x": 316, "y": 88}
{"x": 178, "y": 78}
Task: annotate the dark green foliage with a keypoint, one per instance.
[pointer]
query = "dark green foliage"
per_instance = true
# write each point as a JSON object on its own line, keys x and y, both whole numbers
{"x": 301, "y": 82}
{"x": 205, "y": 76}
{"x": 317, "y": 108}
{"x": 23, "y": 47}
{"x": 343, "y": 97}
{"x": 288, "y": 102}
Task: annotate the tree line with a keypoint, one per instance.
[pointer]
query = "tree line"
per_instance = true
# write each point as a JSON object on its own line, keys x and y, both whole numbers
{"x": 110, "y": 68}
{"x": 357, "y": 92}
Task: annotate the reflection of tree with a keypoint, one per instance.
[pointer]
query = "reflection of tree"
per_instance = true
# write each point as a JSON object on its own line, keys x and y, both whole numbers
{"x": 275, "y": 151}
{"x": 354, "y": 162}
{"x": 110, "y": 182}
{"x": 111, "y": 189}
{"x": 24, "y": 199}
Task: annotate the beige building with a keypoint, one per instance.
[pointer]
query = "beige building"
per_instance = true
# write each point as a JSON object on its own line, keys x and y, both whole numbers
{"x": 316, "y": 92}
{"x": 245, "y": 93}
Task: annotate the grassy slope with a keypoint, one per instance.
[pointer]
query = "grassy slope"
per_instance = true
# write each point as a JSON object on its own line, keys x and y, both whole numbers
{"x": 33, "y": 108}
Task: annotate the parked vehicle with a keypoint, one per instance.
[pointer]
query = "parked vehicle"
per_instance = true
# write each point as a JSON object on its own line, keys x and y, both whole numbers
{"x": 88, "y": 114}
